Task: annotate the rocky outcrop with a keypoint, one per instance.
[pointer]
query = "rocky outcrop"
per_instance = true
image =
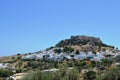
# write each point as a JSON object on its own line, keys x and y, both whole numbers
{"x": 81, "y": 40}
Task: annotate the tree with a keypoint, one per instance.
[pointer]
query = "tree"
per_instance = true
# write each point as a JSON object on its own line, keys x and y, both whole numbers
{"x": 57, "y": 50}
{"x": 94, "y": 52}
{"x": 5, "y": 73}
{"x": 116, "y": 48}
{"x": 90, "y": 75}
{"x": 80, "y": 64}
{"x": 18, "y": 54}
{"x": 116, "y": 59}
{"x": 68, "y": 49}
{"x": 77, "y": 52}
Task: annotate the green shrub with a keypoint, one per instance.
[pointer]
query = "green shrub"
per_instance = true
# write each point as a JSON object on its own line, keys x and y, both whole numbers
{"x": 90, "y": 75}
{"x": 59, "y": 75}
{"x": 5, "y": 73}
{"x": 113, "y": 74}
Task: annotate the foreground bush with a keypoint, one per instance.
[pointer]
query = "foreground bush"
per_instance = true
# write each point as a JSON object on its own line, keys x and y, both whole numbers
{"x": 5, "y": 73}
{"x": 90, "y": 75}
{"x": 113, "y": 74}
{"x": 59, "y": 75}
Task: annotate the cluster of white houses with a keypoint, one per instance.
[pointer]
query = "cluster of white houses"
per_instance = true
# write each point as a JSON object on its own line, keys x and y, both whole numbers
{"x": 51, "y": 55}
{"x": 3, "y": 65}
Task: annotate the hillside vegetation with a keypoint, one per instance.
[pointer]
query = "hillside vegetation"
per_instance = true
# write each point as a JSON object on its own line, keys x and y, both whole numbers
{"x": 77, "y": 58}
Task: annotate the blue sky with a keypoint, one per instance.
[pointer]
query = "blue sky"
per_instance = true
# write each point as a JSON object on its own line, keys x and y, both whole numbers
{"x": 33, "y": 25}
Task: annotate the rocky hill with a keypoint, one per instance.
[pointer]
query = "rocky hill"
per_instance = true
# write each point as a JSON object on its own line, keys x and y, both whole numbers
{"x": 86, "y": 43}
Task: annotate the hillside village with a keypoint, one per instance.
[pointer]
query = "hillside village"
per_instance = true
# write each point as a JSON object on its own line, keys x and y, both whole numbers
{"x": 66, "y": 49}
{"x": 51, "y": 55}
{"x": 84, "y": 52}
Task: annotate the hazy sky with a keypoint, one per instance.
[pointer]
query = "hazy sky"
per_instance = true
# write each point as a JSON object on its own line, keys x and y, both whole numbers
{"x": 33, "y": 25}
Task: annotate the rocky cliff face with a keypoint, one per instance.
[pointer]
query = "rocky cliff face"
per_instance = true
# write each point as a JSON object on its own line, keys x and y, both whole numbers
{"x": 86, "y": 43}
{"x": 87, "y": 40}
{"x": 81, "y": 40}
